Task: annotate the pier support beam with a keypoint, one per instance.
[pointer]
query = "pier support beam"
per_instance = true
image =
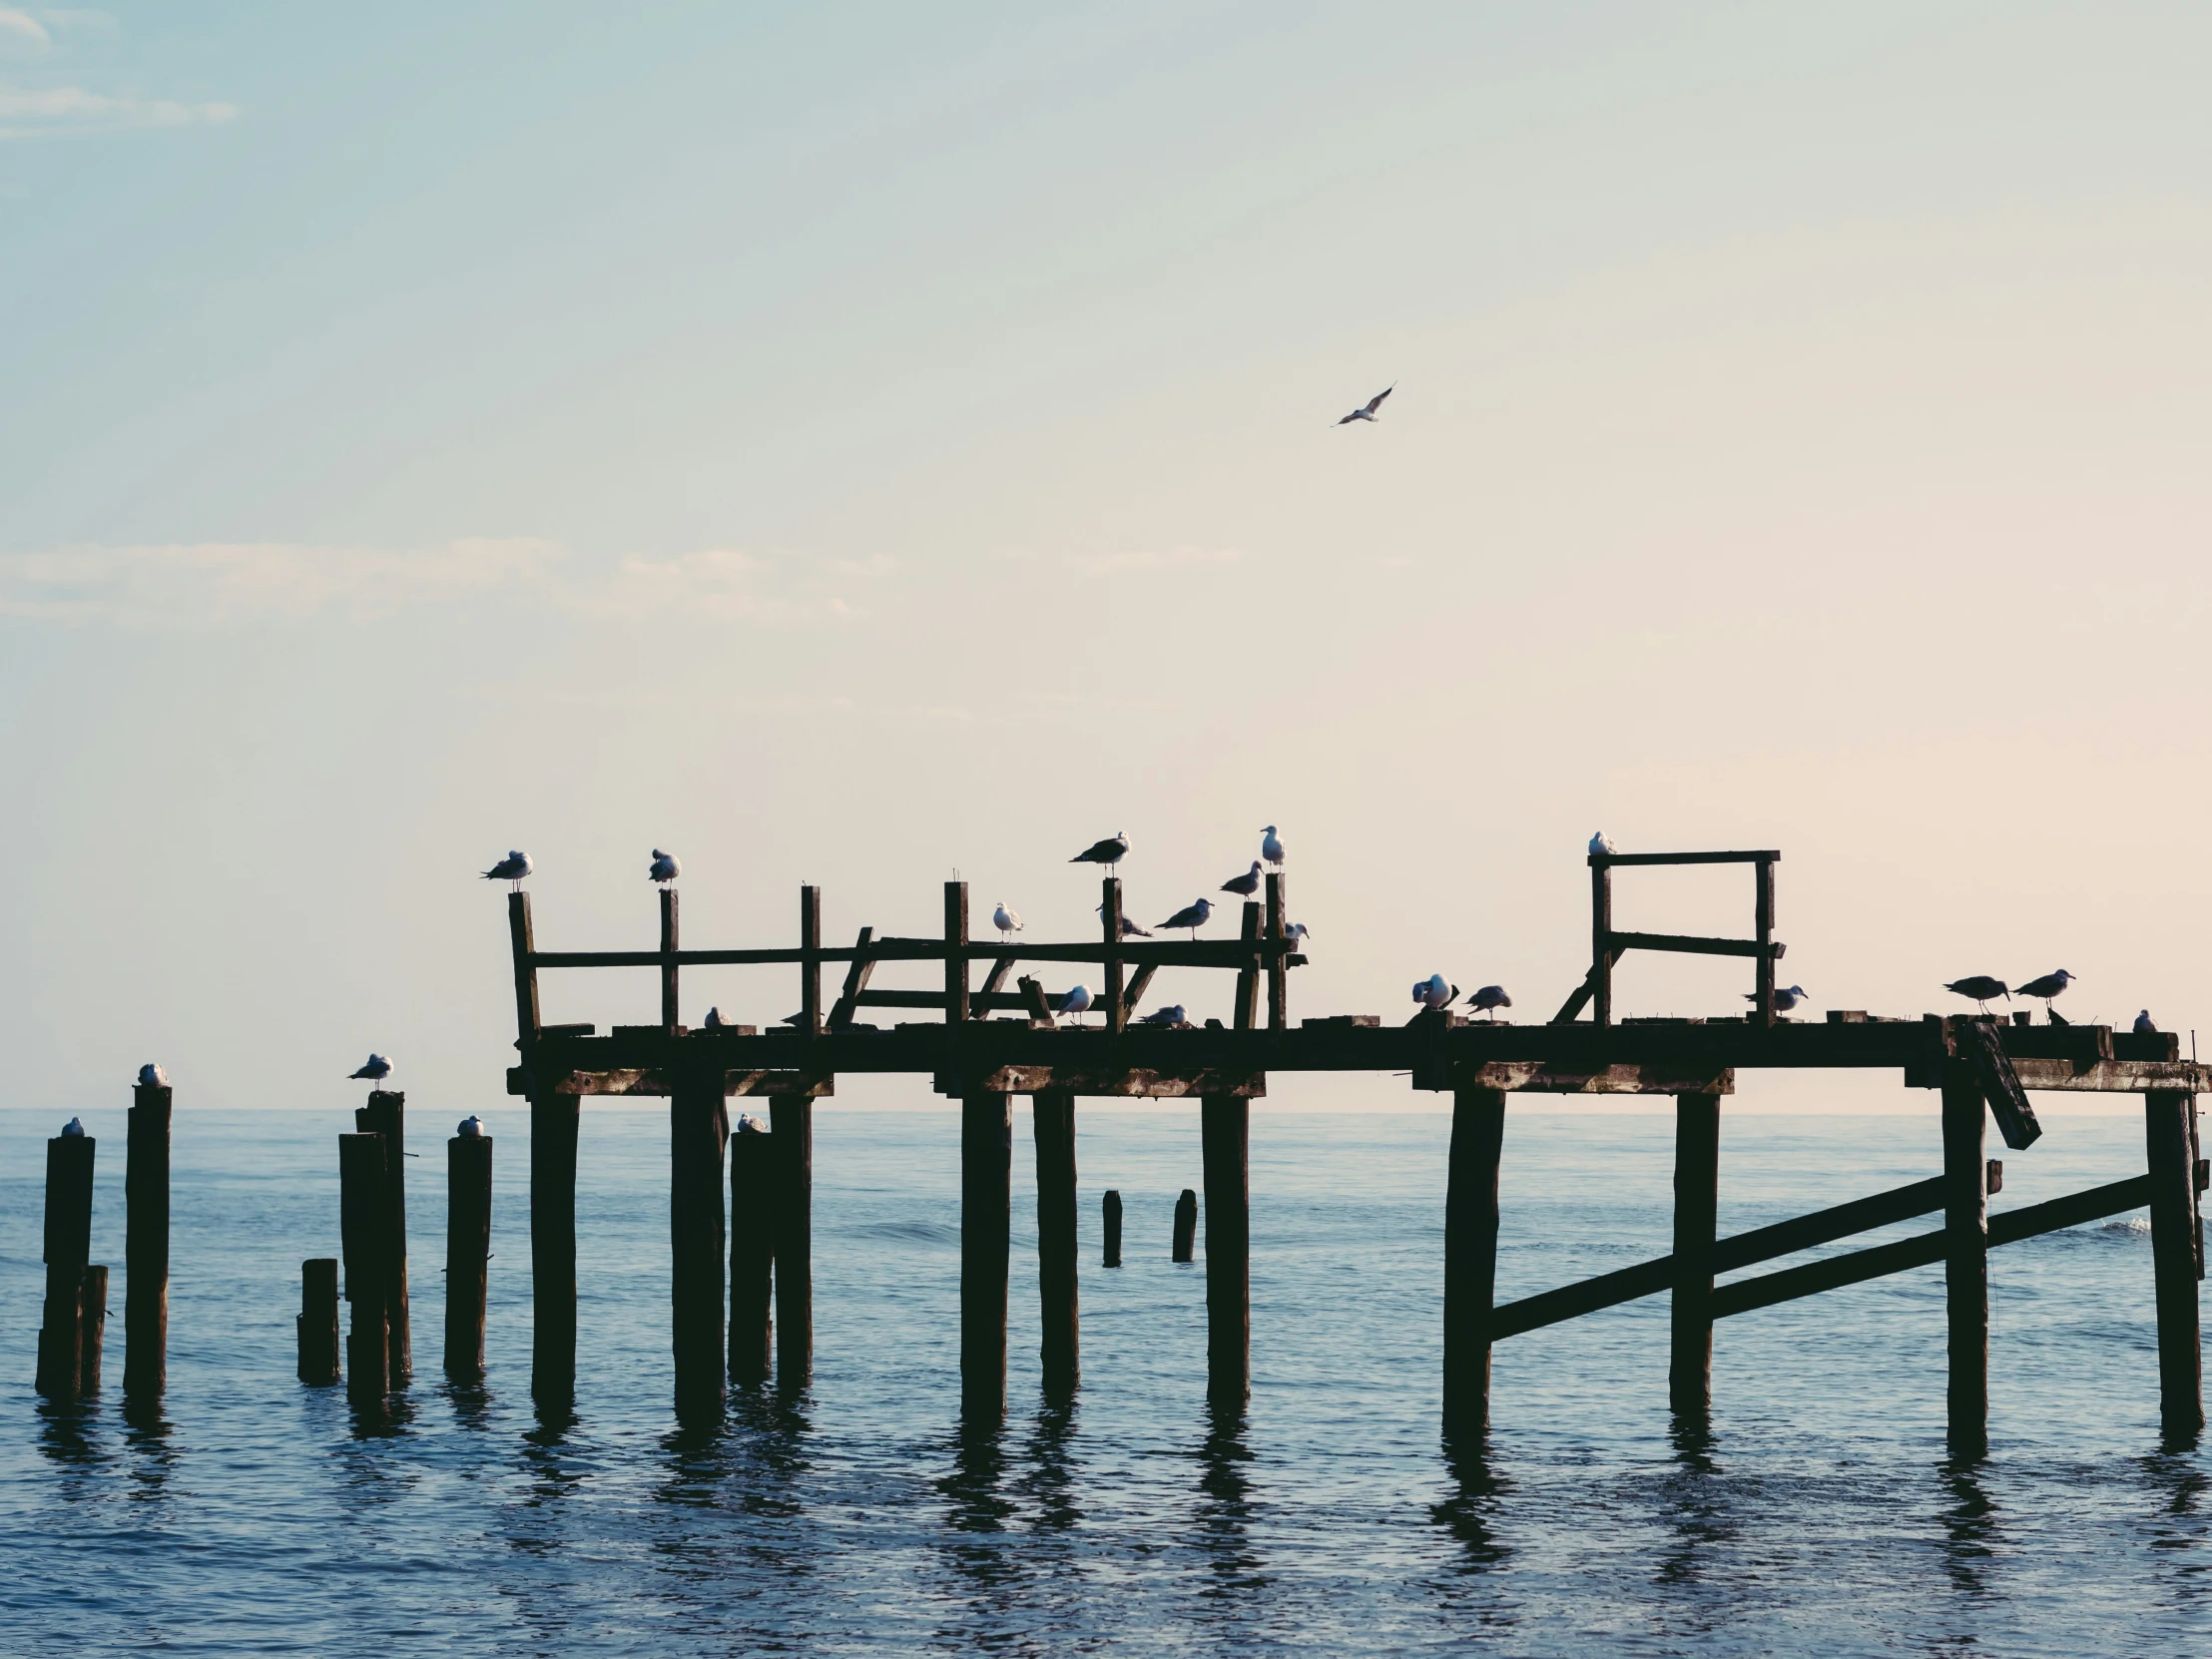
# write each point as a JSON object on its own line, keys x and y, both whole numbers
{"x": 698, "y": 1132}
{"x": 1696, "y": 1179}
{"x": 986, "y": 1165}
{"x": 791, "y": 1144}
{"x": 362, "y": 1223}
{"x": 1061, "y": 1350}
{"x": 61, "y": 1336}
{"x": 386, "y": 1115}
{"x": 1225, "y": 1133}
{"x": 2168, "y": 1124}
{"x": 319, "y": 1320}
{"x": 467, "y": 1252}
{"x": 146, "y": 1245}
{"x": 1470, "y": 1256}
{"x": 1967, "y": 1260}
{"x": 752, "y": 1256}
{"x": 554, "y": 1119}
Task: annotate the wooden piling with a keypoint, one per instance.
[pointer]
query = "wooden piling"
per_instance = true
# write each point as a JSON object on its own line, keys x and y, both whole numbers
{"x": 91, "y": 1330}
{"x": 810, "y": 966}
{"x": 319, "y": 1320}
{"x": 1763, "y": 925}
{"x": 1225, "y": 1134}
{"x": 146, "y": 1245}
{"x": 986, "y": 1162}
{"x": 1697, "y": 1177}
{"x": 670, "y": 1007}
{"x": 554, "y": 1120}
{"x": 2170, "y": 1154}
{"x": 69, "y": 1161}
{"x": 1967, "y": 1260}
{"x": 1470, "y": 1255}
{"x": 1278, "y": 975}
{"x": 1248, "y": 978}
{"x": 1109, "y": 914}
{"x": 698, "y": 1130}
{"x": 1183, "y": 1247}
{"x": 386, "y": 1115}
{"x": 955, "y": 953}
{"x": 1054, "y": 1135}
{"x": 752, "y": 1256}
{"x": 791, "y": 1133}
{"x": 1111, "y": 1213}
{"x": 362, "y": 1229}
{"x": 467, "y": 1252}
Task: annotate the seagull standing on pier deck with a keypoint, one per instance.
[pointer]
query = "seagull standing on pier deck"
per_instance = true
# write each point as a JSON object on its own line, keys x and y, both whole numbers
{"x": 1980, "y": 987}
{"x": 1008, "y": 923}
{"x": 1436, "y": 991}
{"x": 1170, "y": 1015}
{"x": 1271, "y": 847}
{"x": 1786, "y": 997}
{"x": 2143, "y": 1025}
{"x": 666, "y": 866}
{"x": 375, "y": 1069}
{"x": 513, "y": 867}
{"x": 1077, "y": 1001}
{"x": 1244, "y": 885}
{"x": 1193, "y": 916}
{"x": 1109, "y": 852}
{"x": 1490, "y": 998}
{"x": 1366, "y": 410}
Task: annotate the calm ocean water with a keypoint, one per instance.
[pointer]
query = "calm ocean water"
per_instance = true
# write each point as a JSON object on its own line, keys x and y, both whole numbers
{"x": 1820, "y": 1517}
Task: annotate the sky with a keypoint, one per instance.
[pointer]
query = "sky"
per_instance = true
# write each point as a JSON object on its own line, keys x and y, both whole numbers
{"x": 855, "y": 445}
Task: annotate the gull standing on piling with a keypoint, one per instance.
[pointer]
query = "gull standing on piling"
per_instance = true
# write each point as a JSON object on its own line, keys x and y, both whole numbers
{"x": 1296, "y": 931}
{"x": 1436, "y": 991}
{"x": 1489, "y": 999}
{"x": 1786, "y": 997}
{"x": 375, "y": 1069}
{"x": 1600, "y": 845}
{"x": 666, "y": 868}
{"x": 513, "y": 867}
{"x": 1366, "y": 410}
{"x": 1980, "y": 987}
{"x": 1109, "y": 852}
{"x": 1271, "y": 847}
{"x": 2049, "y": 987}
{"x": 470, "y": 1129}
{"x": 1170, "y": 1015}
{"x": 1193, "y": 916}
{"x": 2143, "y": 1025}
{"x": 1244, "y": 885}
{"x": 74, "y": 1130}
{"x": 152, "y": 1076}
{"x": 1008, "y": 923}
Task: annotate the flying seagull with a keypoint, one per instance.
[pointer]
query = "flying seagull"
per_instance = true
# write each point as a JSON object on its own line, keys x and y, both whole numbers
{"x": 152, "y": 1076}
{"x": 1170, "y": 1015}
{"x": 1271, "y": 847}
{"x": 1598, "y": 845}
{"x": 1244, "y": 885}
{"x": 1786, "y": 997}
{"x": 513, "y": 867}
{"x": 1077, "y": 1001}
{"x": 1108, "y": 852}
{"x": 2049, "y": 987}
{"x": 1129, "y": 929}
{"x": 470, "y": 1129}
{"x": 376, "y": 1068}
{"x": 1007, "y": 921}
{"x": 1490, "y": 998}
{"x": 1980, "y": 987}
{"x": 666, "y": 866}
{"x": 2143, "y": 1025}
{"x": 1366, "y": 410}
{"x": 1436, "y": 991}
{"x": 1193, "y": 916}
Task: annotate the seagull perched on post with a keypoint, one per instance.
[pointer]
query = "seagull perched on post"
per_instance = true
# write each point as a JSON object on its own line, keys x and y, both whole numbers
{"x": 74, "y": 1130}
{"x": 1007, "y": 921}
{"x": 1298, "y": 931}
{"x": 513, "y": 867}
{"x": 749, "y": 1125}
{"x": 1599, "y": 845}
{"x": 376, "y": 1068}
{"x": 1490, "y": 998}
{"x": 1129, "y": 929}
{"x": 2143, "y": 1025}
{"x": 713, "y": 1021}
{"x": 1980, "y": 987}
{"x": 1077, "y": 1001}
{"x": 1170, "y": 1015}
{"x": 1244, "y": 885}
{"x": 1786, "y": 997}
{"x": 470, "y": 1129}
{"x": 1436, "y": 991}
{"x": 152, "y": 1076}
{"x": 666, "y": 866}
{"x": 1366, "y": 410}
{"x": 1193, "y": 916}
{"x": 1109, "y": 852}
{"x": 1271, "y": 847}
{"x": 2049, "y": 987}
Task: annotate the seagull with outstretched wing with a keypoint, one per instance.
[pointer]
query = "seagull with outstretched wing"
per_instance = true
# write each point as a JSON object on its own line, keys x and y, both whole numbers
{"x": 1366, "y": 410}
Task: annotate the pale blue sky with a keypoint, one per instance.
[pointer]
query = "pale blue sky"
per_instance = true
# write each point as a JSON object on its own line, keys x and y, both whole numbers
{"x": 847, "y": 444}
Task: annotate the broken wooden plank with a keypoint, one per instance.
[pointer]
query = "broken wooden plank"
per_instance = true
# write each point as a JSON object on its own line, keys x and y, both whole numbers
{"x": 2001, "y": 1084}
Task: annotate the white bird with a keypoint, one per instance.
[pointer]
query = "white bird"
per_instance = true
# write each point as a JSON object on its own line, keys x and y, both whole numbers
{"x": 1170, "y": 1015}
{"x": 375, "y": 1069}
{"x": 1436, "y": 991}
{"x": 749, "y": 1125}
{"x": 1296, "y": 931}
{"x": 1786, "y": 997}
{"x": 1598, "y": 845}
{"x": 1271, "y": 847}
{"x": 1005, "y": 920}
{"x": 1490, "y": 998}
{"x": 2143, "y": 1026}
{"x": 1077, "y": 1001}
{"x": 1109, "y": 852}
{"x": 1366, "y": 410}
{"x": 74, "y": 1129}
{"x": 1129, "y": 929}
{"x": 1244, "y": 885}
{"x": 152, "y": 1076}
{"x": 471, "y": 1128}
{"x": 713, "y": 1021}
{"x": 513, "y": 867}
{"x": 1193, "y": 916}
{"x": 666, "y": 866}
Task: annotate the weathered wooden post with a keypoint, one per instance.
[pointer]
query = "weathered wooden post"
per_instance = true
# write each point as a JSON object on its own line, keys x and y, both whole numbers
{"x": 1061, "y": 1349}
{"x": 1279, "y": 973}
{"x": 362, "y": 1232}
{"x": 1967, "y": 1259}
{"x": 61, "y": 1337}
{"x": 1109, "y": 915}
{"x": 93, "y": 1332}
{"x": 1247, "y": 1006}
{"x": 467, "y": 1252}
{"x": 386, "y": 1115}
{"x": 1183, "y": 1246}
{"x": 1111, "y": 1208}
{"x": 810, "y": 968}
{"x": 792, "y": 1138}
{"x": 1697, "y": 1177}
{"x": 1601, "y": 940}
{"x": 554, "y": 1122}
{"x": 699, "y": 1129}
{"x": 1763, "y": 922}
{"x": 669, "y": 1002}
{"x": 1470, "y": 1255}
{"x": 1224, "y": 1131}
{"x": 986, "y": 1167}
{"x": 752, "y": 1255}
{"x": 146, "y": 1245}
{"x": 318, "y": 1320}
{"x": 2169, "y": 1149}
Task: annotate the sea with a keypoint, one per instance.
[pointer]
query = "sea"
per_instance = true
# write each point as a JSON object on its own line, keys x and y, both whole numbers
{"x": 1818, "y": 1514}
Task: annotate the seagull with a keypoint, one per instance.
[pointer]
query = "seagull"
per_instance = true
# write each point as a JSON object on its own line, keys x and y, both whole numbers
{"x": 513, "y": 867}
{"x": 470, "y": 1129}
{"x": 1980, "y": 987}
{"x": 74, "y": 1129}
{"x": 713, "y": 1021}
{"x": 1599, "y": 845}
{"x": 152, "y": 1076}
{"x": 1271, "y": 847}
{"x": 1129, "y": 929}
{"x": 2143, "y": 1026}
{"x": 1366, "y": 410}
{"x": 1296, "y": 931}
{"x": 1005, "y": 920}
{"x": 666, "y": 866}
{"x": 2049, "y": 987}
{"x": 1170, "y": 1015}
{"x": 376, "y": 1068}
{"x": 1436, "y": 991}
{"x": 1109, "y": 852}
{"x": 1785, "y": 997}
{"x": 1077, "y": 1001}
{"x": 1490, "y": 998}
{"x": 749, "y": 1125}
{"x": 1193, "y": 916}
{"x": 1244, "y": 885}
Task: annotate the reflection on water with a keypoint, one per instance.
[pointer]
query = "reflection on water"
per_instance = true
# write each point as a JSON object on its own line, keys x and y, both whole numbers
{"x": 1474, "y": 1501}
{"x": 1223, "y": 1515}
{"x": 1970, "y": 1522}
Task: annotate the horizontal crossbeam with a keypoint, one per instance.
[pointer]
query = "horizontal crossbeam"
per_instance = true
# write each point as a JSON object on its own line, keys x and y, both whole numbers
{"x": 1691, "y": 945}
{"x": 1599, "y": 860}
{"x": 1224, "y": 954}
